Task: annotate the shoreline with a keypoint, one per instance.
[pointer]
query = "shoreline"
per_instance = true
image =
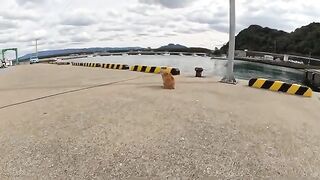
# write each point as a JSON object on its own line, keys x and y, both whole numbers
{"x": 274, "y": 63}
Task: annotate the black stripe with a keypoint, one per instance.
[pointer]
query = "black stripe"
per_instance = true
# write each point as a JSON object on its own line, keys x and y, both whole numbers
{"x": 267, "y": 84}
{"x": 153, "y": 69}
{"x": 108, "y": 66}
{"x": 252, "y": 81}
{"x": 285, "y": 87}
{"x": 125, "y": 67}
{"x": 98, "y": 65}
{"x": 112, "y": 66}
{"x": 143, "y": 68}
{"x": 302, "y": 90}
{"x": 135, "y": 68}
{"x": 118, "y": 66}
{"x": 102, "y": 65}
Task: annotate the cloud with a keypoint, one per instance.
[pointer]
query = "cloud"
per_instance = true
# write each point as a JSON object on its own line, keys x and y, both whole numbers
{"x": 217, "y": 21}
{"x": 81, "y": 37}
{"x": 20, "y": 15}
{"x": 111, "y": 28}
{"x": 5, "y": 24}
{"x": 4, "y": 39}
{"x": 172, "y": 4}
{"x": 78, "y": 17}
{"x": 24, "y": 2}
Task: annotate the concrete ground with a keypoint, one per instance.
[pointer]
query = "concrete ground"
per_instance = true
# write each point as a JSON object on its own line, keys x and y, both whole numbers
{"x": 64, "y": 122}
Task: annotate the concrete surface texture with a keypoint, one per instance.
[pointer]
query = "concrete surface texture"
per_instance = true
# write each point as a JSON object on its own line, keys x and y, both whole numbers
{"x": 64, "y": 122}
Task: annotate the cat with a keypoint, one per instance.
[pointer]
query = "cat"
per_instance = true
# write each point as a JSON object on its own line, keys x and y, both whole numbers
{"x": 168, "y": 80}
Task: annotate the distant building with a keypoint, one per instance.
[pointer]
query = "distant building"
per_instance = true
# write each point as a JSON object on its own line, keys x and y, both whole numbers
{"x": 240, "y": 53}
{"x": 268, "y": 57}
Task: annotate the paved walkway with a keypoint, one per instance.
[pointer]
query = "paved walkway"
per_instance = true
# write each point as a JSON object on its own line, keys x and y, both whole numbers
{"x": 64, "y": 122}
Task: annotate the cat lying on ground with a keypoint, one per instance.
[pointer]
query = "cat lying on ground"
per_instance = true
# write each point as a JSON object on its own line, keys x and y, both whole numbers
{"x": 168, "y": 80}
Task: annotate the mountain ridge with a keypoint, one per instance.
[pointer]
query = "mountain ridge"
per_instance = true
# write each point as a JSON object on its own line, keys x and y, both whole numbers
{"x": 303, "y": 41}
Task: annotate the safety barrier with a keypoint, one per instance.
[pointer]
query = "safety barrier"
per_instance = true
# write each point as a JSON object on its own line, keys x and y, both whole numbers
{"x": 115, "y": 66}
{"x": 92, "y": 64}
{"x": 75, "y": 64}
{"x": 86, "y": 64}
{"x": 280, "y": 86}
{"x": 154, "y": 69}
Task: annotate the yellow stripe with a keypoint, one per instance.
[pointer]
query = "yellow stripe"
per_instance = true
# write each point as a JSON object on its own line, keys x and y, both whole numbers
{"x": 139, "y": 68}
{"x": 308, "y": 93}
{"x": 259, "y": 83}
{"x": 293, "y": 89}
{"x": 158, "y": 70}
{"x": 276, "y": 86}
{"x": 148, "y": 69}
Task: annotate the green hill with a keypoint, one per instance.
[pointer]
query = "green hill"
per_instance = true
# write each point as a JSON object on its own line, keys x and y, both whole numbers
{"x": 303, "y": 41}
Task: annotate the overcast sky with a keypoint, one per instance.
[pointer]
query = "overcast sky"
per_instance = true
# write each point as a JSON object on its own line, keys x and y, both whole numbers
{"x": 146, "y": 23}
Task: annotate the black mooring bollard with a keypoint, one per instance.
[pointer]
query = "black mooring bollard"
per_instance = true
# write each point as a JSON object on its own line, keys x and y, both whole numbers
{"x": 199, "y": 71}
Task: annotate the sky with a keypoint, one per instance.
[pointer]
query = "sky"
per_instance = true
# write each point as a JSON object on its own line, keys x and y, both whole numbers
{"x": 60, "y": 24}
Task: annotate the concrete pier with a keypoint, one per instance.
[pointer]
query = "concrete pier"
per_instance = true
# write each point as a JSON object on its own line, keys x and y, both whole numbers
{"x": 69, "y": 122}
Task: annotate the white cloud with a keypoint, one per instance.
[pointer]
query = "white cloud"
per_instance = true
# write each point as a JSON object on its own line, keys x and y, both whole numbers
{"x": 22, "y": 15}
{"x": 82, "y": 37}
{"x": 6, "y": 24}
{"x": 79, "y": 17}
{"x": 169, "y": 3}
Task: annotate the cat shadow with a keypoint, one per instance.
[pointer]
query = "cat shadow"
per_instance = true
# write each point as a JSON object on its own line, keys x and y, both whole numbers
{"x": 154, "y": 87}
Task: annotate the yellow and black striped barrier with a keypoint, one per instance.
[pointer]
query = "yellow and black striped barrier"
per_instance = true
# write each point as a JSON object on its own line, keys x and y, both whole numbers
{"x": 154, "y": 69}
{"x": 75, "y": 64}
{"x": 280, "y": 86}
{"x": 92, "y": 64}
{"x": 86, "y": 64}
{"x": 115, "y": 66}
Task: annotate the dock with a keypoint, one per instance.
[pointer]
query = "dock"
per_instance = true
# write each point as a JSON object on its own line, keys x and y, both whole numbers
{"x": 59, "y": 122}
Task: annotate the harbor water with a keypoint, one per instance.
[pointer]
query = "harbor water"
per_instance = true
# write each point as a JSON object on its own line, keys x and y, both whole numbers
{"x": 212, "y": 67}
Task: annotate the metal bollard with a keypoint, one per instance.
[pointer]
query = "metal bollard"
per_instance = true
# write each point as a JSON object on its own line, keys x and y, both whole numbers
{"x": 199, "y": 71}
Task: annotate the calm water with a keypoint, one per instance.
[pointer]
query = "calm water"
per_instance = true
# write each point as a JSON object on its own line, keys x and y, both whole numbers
{"x": 243, "y": 70}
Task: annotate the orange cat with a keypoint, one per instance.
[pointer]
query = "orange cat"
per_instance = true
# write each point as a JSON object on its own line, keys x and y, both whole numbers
{"x": 168, "y": 80}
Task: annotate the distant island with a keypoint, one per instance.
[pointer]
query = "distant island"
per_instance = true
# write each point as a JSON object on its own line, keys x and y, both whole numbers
{"x": 303, "y": 41}
{"x": 87, "y": 51}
